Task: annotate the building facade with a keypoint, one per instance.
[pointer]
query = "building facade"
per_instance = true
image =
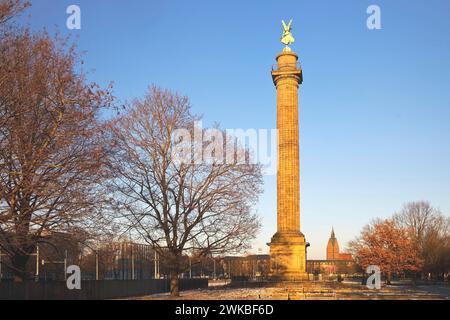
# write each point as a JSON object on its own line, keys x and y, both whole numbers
{"x": 337, "y": 262}
{"x": 333, "y": 252}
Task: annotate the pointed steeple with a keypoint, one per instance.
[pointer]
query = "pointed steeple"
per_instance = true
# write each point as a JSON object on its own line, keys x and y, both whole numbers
{"x": 332, "y": 247}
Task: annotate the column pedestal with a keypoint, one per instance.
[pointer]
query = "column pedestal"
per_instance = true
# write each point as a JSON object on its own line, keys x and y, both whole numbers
{"x": 288, "y": 256}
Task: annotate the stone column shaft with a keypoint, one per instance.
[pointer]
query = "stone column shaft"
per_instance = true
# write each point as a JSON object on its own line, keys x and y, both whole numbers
{"x": 288, "y": 180}
{"x": 287, "y": 78}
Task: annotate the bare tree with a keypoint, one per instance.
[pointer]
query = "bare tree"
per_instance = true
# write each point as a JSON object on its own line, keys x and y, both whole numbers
{"x": 418, "y": 216}
{"x": 436, "y": 248}
{"x": 179, "y": 207}
{"x": 431, "y": 234}
{"x": 51, "y": 153}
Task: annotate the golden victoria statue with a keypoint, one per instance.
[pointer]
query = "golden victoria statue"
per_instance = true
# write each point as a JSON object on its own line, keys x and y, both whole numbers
{"x": 287, "y": 38}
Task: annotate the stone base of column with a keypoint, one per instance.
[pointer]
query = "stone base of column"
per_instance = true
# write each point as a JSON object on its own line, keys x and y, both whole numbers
{"x": 288, "y": 257}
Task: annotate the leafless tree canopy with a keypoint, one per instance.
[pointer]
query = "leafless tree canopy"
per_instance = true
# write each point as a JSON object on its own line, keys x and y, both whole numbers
{"x": 178, "y": 207}
{"x": 431, "y": 233}
{"x": 51, "y": 155}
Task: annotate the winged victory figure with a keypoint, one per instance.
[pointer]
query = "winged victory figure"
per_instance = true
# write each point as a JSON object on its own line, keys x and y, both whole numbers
{"x": 287, "y": 38}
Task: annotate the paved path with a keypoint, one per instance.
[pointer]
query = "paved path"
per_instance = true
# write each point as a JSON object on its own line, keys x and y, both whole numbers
{"x": 442, "y": 290}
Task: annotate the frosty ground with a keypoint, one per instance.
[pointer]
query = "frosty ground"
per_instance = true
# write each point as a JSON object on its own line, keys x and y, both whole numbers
{"x": 315, "y": 291}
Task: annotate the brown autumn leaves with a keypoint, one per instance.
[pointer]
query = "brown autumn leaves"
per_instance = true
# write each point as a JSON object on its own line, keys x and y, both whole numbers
{"x": 64, "y": 170}
{"x": 414, "y": 241}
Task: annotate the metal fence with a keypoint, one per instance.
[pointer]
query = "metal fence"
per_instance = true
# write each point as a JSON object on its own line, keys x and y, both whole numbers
{"x": 92, "y": 290}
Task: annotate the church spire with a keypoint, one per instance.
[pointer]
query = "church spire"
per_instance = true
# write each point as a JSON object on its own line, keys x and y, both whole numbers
{"x": 333, "y": 247}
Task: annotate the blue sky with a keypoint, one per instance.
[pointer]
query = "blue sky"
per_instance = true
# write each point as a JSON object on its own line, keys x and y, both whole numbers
{"x": 374, "y": 105}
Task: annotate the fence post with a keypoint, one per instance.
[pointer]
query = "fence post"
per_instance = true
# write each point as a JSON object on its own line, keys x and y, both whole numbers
{"x": 96, "y": 265}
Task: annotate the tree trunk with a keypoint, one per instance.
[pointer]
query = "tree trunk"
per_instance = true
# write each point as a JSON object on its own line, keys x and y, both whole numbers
{"x": 174, "y": 284}
{"x": 19, "y": 264}
{"x": 388, "y": 278}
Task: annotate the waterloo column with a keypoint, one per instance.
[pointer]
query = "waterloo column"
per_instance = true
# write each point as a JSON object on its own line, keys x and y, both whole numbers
{"x": 288, "y": 246}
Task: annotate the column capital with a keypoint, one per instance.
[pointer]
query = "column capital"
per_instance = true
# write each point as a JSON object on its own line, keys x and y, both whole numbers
{"x": 287, "y": 67}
